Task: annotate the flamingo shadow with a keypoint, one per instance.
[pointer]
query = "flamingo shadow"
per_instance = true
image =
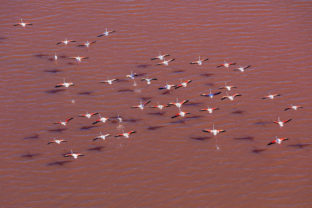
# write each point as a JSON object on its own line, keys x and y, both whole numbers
{"x": 87, "y": 127}
{"x": 143, "y": 66}
{"x": 152, "y": 128}
{"x": 207, "y": 74}
{"x": 85, "y": 93}
{"x": 244, "y": 138}
{"x": 200, "y": 138}
{"x": 35, "y": 136}
{"x": 238, "y": 112}
{"x": 53, "y": 71}
{"x": 258, "y": 150}
{"x": 263, "y": 123}
{"x": 177, "y": 122}
{"x": 132, "y": 120}
{"x": 178, "y": 71}
{"x": 299, "y": 145}
{"x": 54, "y": 91}
{"x": 40, "y": 55}
{"x": 97, "y": 148}
{"x": 30, "y": 155}
{"x": 166, "y": 92}
{"x": 157, "y": 113}
{"x": 58, "y": 163}
{"x": 125, "y": 90}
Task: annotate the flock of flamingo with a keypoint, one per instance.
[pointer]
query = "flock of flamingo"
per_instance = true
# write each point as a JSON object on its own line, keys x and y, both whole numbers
{"x": 167, "y": 87}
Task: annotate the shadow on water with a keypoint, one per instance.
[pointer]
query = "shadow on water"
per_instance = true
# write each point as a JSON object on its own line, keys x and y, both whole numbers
{"x": 152, "y": 128}
{"x": 178, "y": 122}
{"x": 141, "y": 74}
{"x": 54, "y": 91}
{"x": 258, "y": 150}
{"x": 192, "y": 104}
{"x": 35, "y": 136}
{"x": 143, "y": 66}
{"x": 263, "y": 123}
{"x": 166, "y": 92}
{"x": 87, "y": 127}
{"x": 54, "y": 71}
{"x": 59, "y": 163}
{"x": 30, "y": 155}
{"x": 85, "y": 93}
{"x": 3, "y": 38}
{"x": 40, "y": 55}
{"x": 157, "y": 113}
{"x": 125, "y": 90}
{"x": 97, "y": 148}
{"x": 299, "y": 145}
{"x": 178, "y": 71}
{"x": 132, "y": 120}
{"x": 200, "y": 138}
{"x": 238, "y": 112}
{"x": 206, "y": 75}
{"x": 244, "y": 138}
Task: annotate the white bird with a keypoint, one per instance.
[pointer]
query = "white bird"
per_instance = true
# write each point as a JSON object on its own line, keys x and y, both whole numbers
{"x": 271, "y": 96}
{"x": 214, "y": 131}
{"x": 199, "y": 61}
{"x": 74, "y": 155}
{"x": 281, "y": 123}
{"x": 64, "y": 123}
{"x": 65, "y": 84}
{"x": 294, "y": 107}
{"x": 109, "y": 81}
{"x": 242, "y": 69}
{"x": 101, "y": 136}
{"x": 148, "y": 80}
{"x": 66, "y": 42}
{"x": 227, "y": 87}
{"x": 231, "y": 97}
{"x": 160, "y": 57}
{"x": 141, "y": 105}
{"x": 132, "y": 75}
{"x": 165, "y": 62}
{"x": 78, "y": 58}
{"x": 22, "y": 23}
{"x": 106, "y": 33}
{"x": 57, "y": 141}
{"x": 86, "y": 44}
{"x": 101, "y": 119}
{"x": 126, "y": 135}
